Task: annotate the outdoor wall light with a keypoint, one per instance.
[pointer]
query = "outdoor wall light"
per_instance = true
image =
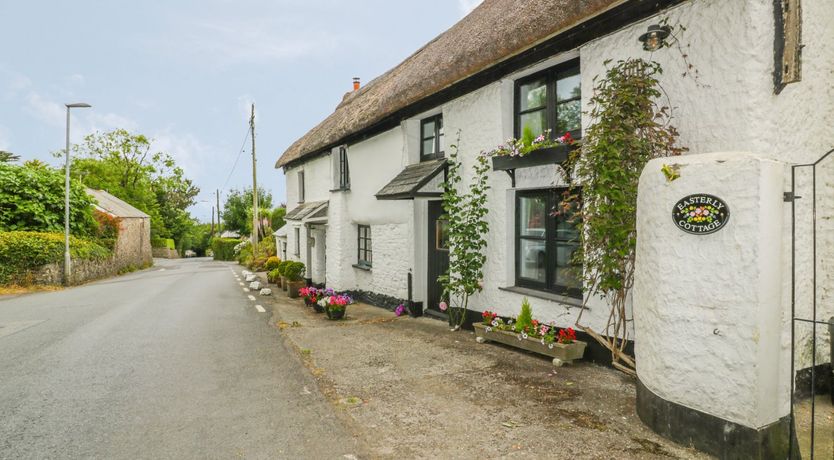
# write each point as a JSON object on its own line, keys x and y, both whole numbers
{"x": 653, "y": 38}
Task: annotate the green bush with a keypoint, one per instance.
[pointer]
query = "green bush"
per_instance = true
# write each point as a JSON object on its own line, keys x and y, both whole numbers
{"x": 294, "y": 271}
{"x": 23, "y": 252}
{"x": 163, "y": 243}
{"x": 525, "y": 318}
{"x": 273, "y": 276}
{"x": 224, "y": 248}
{"x": 32, "y": 199}
{"x": 282, "y": 267}
{"x": 272, "y": 263}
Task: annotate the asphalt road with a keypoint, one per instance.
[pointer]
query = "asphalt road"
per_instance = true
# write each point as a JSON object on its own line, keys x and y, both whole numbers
{"x": 171, "y": 362}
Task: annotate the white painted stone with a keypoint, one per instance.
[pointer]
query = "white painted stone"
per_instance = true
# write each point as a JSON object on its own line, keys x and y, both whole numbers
{"x": 709, "y": 310}
{"x": 246, "y": 273}
{"x": 266, "y": 292}
{"x": 255, "y": 285}
{"x": 249, "y": 278}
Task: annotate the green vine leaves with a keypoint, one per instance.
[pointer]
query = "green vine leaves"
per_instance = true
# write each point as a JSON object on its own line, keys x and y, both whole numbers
{"x": 466, "y": 214}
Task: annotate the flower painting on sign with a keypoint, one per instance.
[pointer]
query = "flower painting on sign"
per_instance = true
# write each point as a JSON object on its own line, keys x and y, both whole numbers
{"x": 700, "y": 214}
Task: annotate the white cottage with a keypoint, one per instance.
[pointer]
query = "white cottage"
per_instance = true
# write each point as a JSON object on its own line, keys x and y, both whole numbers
{"x": 363, "y": 186}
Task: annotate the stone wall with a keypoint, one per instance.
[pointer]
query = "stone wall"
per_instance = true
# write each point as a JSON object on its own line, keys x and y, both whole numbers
{"x": 82, "y": 271}
{"x": 133, "y": 246}
{"x": 165, "y": 253}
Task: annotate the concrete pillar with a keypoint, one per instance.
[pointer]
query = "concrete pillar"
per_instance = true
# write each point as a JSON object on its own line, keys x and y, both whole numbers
{"x": 710, "y": 309}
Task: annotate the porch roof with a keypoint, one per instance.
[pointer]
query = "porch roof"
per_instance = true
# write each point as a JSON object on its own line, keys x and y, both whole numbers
{"x": 407, "y": 184}
{"x": 306, "y": 210}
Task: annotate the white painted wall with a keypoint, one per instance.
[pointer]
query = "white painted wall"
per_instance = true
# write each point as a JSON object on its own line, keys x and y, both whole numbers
{"x": 709, "y": 310}
{"x": 730, "y": 107}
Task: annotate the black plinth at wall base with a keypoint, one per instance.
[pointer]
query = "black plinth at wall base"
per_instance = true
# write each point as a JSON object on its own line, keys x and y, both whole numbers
{"x": 710, "y": 434}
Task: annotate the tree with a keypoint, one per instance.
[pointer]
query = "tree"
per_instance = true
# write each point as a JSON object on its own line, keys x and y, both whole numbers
{"x": 237, "y": 212}
{"x": 8, "y": 157}
{"x": 277, "y": 218}
{"x": 32, "y": 199}
{"x": 123, "y": 164}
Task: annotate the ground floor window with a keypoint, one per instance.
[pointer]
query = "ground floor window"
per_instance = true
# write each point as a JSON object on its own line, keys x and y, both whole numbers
{"x": 365, "y": 256}
{"x": 545, "y": 244}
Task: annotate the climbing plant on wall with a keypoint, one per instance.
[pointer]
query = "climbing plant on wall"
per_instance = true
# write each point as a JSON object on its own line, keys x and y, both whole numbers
{"x": 465, "y": 211}
{"x": 629, "y": 127}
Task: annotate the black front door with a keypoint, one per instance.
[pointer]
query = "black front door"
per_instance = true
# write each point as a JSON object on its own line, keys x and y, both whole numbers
{"x": 438, "y": 255}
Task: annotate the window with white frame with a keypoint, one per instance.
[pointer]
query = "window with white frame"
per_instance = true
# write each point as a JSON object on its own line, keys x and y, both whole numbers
{"x": 300, "y": 186}
{"x": 343, "y": 169}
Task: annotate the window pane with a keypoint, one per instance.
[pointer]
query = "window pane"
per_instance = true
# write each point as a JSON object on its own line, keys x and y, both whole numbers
{"x": 442, "y": 234}
{"x": 428, "y": 146}
{"x": 531, "y": 215}
{"x": 566, "y": 275}
{"x": 568, "y": 117}
{"x": 531, "y": 259}
{"x": 568, "y": 87}
{"x": 533, "y": 95}
{"x": 537, "y": 121}
{"x": 428, "y": 129}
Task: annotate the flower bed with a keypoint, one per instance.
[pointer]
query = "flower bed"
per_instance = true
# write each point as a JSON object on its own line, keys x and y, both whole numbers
{"x": 531, "y": 335}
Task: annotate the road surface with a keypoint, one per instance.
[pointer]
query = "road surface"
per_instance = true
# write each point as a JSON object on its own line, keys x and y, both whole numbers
{"x": 171, "y": 362}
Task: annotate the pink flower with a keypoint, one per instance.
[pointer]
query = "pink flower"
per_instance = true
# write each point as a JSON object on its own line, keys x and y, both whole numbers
{"x": 443, "y": 306}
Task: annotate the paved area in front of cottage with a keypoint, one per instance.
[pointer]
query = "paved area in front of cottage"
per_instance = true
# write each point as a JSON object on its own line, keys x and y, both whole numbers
{"x": 414, "y": 389}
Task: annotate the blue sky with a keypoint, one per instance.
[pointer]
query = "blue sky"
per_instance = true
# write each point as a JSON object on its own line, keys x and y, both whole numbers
{"x": 184, "y": 73}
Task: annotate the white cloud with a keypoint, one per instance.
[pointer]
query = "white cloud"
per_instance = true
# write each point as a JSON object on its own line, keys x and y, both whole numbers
{"x": 466, "y": 6}
{"x": 48, "y": 111}
{"x": 76, "y": 79}
{"x": 187, "y": 150}
{"x": 245, "y": 41}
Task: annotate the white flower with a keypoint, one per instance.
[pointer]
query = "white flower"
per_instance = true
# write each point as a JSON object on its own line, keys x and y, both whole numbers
{"x": 523, "y": 335}
{"x": 550, "y": 345}
{"x": 520, "y": 337}
{"x": 542, "y": 341}
{"x": 488, "y": 329}
{"x": 495, "y": 323}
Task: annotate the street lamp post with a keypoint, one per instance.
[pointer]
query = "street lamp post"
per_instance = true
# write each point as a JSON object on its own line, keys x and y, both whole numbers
{"x": 67, "y": 261}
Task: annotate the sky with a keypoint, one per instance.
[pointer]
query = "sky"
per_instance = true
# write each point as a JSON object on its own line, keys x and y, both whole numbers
{"x": 185, "y": 72}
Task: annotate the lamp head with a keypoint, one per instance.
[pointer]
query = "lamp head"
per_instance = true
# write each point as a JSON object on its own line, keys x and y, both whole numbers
{"x": 78, "y": 105}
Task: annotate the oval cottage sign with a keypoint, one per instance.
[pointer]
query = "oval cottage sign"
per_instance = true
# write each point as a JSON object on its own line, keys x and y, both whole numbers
{"x": 701, "y": 214}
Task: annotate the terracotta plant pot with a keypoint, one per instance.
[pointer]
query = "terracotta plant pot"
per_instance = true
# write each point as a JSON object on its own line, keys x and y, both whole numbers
{"x": 293, "y": 287}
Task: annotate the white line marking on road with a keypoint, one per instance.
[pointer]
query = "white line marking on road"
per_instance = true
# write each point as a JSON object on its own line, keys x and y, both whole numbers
{"x": 241, "y": 284}
{"x": 162, "y": 269}
{"x": 260, "y": 309}
{"x": 245, "y": 289}
{"x": 251, "y": 297}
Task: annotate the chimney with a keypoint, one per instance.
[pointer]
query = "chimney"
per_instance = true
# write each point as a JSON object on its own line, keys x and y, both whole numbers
{"x": 356, "y": 83}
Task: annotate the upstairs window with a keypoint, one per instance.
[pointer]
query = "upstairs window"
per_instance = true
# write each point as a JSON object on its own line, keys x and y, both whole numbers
{"x": 344, "y": 170}
{"x": 550, "y": 100}
{"x": 297, "y": 241}
{"x": 365, "y": 254}
{"x": 300, "y": 186}
{"x": 431, "y": 138}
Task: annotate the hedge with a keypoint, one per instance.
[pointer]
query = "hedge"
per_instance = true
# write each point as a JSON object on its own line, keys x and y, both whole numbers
{"x": 224, "y": 248}
{"x": 163, "y": 243}
{"x": 23, "y": 252}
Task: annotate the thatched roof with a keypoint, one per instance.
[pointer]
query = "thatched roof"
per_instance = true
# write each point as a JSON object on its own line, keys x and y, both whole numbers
{"x": 493, "y": 32}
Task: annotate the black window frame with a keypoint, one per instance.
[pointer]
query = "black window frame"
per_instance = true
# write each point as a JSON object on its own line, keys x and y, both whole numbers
{"x": 551, "y": 76}
{"x": 436, "y": 135}
{"x": 364, "y": 252}
{"x": 553, "y": 197}
{"x": 344, "y": 169}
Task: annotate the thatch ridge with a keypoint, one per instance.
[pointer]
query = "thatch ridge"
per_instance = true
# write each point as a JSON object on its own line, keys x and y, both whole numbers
{"x": 493, "y": 32}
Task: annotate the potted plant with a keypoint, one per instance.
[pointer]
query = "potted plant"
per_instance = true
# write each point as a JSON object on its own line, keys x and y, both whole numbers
{"x": 335, "y": 305}
{"x": 294, "y": 274}
{"x": 318, "y": 306}
{"x": 274, "y": 276}
{"x": 531, "y": 335}
{"x": 531, "y": 151}
{"x": 310, "y": 295}
{"x": 281, "y": 276}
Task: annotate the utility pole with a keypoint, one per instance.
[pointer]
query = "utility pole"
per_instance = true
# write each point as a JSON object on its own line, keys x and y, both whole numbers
{"x": 255, "y": 219}
{"x": 218, "y": 212}
{"x": 212, "y": 221}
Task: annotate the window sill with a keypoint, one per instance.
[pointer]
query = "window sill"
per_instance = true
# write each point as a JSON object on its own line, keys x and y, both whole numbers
{"x": 340, "y": 190}
{"x": 362, "y": 267}
{"x": 571, "y": 301}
